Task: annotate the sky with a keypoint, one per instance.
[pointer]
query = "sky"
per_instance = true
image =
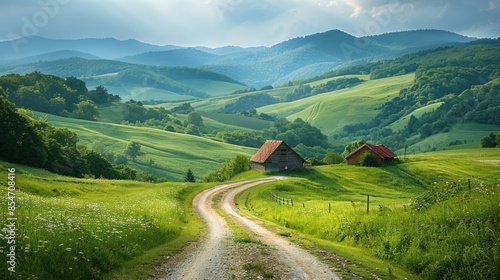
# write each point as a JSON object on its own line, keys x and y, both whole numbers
{"x": 216, "y": 23}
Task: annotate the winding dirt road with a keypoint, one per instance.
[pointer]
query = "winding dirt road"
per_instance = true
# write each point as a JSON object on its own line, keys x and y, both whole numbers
{"x": 215, "y": 256}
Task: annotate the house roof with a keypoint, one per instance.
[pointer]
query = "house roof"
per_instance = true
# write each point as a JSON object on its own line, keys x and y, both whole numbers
{"x": 266, "y": 151}
{"x": 380, "y": 149}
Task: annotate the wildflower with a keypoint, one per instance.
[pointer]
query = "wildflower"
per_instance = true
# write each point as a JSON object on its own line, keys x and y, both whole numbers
{"x": 68, "y": 249}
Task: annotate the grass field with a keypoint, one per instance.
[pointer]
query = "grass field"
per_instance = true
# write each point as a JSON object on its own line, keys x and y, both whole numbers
{"x": 403, "y": 122}
{"x": 70, "y": 228}
{"x": 212, "y": 87}
{"x": 173, "y": 153}
{"x": 422, "y": 221}
{"x": 331, "y": 111}
{"x": 236, "y": 121}
{"x": 469, "y": 133}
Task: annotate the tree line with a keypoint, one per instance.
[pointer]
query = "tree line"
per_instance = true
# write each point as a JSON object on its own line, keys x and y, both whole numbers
{"x": 34, "y": 142}
{"x": 51, "y": 94}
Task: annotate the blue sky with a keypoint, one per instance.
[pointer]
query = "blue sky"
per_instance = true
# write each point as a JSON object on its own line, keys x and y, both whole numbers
{"x": 216, "y": 23}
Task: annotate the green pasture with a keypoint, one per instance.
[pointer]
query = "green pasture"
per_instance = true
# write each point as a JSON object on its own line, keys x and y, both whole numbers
{"x": 403, "y": 122}
{"x": 331, "y": 111}
{"x": 212, "y": 87}
{"x": 469, "y": 133}
{"x": 422, "y": 220}
{"x": 70, "y": 228}
{"x": 140, "y": 93}
{"x": 324, "y": 81}
{"x": 172, "y": 153}
{"x": 236, "y": 121}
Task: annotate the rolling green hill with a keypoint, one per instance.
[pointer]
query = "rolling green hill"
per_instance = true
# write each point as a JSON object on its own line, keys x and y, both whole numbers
{"x": 172, "y": 153}
{"x": 331, "y": 111}
{"x": 72, "y": 228}
{"x": 420, "y": 220}
{"x": 135, "y": 81}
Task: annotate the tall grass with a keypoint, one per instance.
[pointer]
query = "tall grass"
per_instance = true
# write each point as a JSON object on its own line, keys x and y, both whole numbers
{"x": 83, "y": 229}
{"x": 443, "y": 232}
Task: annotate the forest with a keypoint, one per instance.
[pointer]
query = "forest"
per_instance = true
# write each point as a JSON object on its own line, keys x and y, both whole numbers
{"x": 465, "y": 80}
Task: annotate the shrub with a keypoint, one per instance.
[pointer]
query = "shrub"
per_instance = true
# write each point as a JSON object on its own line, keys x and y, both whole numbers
{"x": 368, "y": 159}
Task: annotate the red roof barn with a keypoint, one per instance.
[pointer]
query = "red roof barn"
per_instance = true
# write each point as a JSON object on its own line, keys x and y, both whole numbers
{"x": 276, "y": 155}
{"x": 381, "y": 152}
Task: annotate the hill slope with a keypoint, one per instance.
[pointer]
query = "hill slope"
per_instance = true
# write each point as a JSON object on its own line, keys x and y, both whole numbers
{"x": 293, "y": 59}
{"x": 132, "y": 81}
{"x": 172, "y": 153}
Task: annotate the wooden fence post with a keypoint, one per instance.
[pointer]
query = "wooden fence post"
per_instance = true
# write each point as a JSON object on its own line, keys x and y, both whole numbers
{"x": 329, "y": 208}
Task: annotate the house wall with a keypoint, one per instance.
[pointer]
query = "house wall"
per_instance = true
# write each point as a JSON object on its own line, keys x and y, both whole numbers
{"x": 283, "y": 157}
{"x": 354, "y": 159}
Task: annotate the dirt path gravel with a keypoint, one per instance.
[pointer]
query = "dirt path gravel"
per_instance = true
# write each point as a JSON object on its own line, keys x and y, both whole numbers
{"x": 218, "y": 256}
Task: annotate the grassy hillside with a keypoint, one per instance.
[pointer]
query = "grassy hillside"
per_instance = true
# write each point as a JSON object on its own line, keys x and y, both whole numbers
{"x": 331, "y": 111}
{"x": 468, "y": 133}
{"x": 135, "y": 81}
{"x": 212, "y": 87}
{"x": 70, "y": 228}
{"x": 172, "y": 153}
{"x": 422, "y": 219}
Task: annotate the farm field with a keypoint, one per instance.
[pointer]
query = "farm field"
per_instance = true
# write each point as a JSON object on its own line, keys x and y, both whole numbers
{"x": 172, "y": 153}
{"x": 85, "y": 229}
{"x": 420, "y": 218}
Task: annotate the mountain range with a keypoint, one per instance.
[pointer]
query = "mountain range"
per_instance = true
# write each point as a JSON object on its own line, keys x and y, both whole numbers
{"x": 296, "y": 58}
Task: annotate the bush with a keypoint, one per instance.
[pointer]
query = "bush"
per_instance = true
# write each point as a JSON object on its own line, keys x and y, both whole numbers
{"x": 229, "y": 169}
{"x": 367, "y": 159}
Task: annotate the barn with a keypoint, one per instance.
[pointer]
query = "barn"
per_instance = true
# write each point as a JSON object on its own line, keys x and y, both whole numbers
{"x": 276, "y": 155}
{"x": 381, "y": 152}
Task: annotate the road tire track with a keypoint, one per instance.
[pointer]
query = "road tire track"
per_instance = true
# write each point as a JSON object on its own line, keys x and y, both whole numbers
{"x": 213, "y": 258}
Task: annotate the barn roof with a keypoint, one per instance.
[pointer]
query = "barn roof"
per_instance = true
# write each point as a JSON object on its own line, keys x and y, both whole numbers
{"x": 266, "y": 151}
{"x": 380, "y": 149}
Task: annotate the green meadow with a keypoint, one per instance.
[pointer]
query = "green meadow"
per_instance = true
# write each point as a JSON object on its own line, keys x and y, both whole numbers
{"x": 331, "y": 111}
{"x": 70, "y": 228}
{"x": 172, "y": 153}
{"x": 213, "y": 87}
{"x": 422, "y": 221}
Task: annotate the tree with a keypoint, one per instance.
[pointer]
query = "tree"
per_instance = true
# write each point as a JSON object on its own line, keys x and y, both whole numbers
{"x": 86, "y": 110}
{"x": 192, "y": 129}
{"x": 189, "y": 176}
{"x": 333, "y": 158}
{"x": 134, "y": 150}
{"x": 489, "y": 141}
{"x": 194, "y": 118}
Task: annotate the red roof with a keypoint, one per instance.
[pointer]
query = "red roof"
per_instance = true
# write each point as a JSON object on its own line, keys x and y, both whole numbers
{"x": 380, "y": 149}
{"x": 266, "y": 151}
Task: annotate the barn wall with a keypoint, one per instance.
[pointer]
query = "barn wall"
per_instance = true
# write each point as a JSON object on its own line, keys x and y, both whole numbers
{"x": 354, "y": 159}
{"x": 283, "y": 157}
{"x": 259, "y": 166}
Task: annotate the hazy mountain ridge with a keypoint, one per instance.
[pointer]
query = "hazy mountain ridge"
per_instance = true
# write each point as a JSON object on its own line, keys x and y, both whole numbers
{"x": 254, "y": 66}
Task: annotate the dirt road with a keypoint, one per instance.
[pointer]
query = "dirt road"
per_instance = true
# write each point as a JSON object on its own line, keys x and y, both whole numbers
{"x": 218, "y": 257}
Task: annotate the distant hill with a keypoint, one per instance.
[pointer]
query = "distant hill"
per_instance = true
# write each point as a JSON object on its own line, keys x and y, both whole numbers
{"x": 106, "y": 48}
{"x": 178, "y": 57}
{"x": 311, "y": 55}
{"x": 293, "y": 59}
{"x": 49, "y": 57}
{"x": 130, "y": 81}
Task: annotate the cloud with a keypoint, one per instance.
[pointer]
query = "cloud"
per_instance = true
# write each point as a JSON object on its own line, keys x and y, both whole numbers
{"x": 245, "y": 22}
